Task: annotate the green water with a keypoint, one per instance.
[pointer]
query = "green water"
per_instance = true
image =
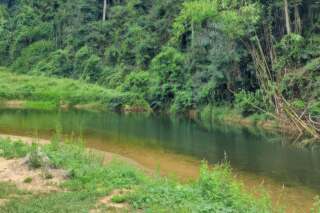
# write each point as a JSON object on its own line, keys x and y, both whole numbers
{"x": 250, "y": 151}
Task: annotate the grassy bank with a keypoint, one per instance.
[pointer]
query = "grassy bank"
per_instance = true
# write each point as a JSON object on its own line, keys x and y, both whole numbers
{"x": 228, "y": 115}
{"x": 39, "y": 92}
{"x": 90, "y": 181}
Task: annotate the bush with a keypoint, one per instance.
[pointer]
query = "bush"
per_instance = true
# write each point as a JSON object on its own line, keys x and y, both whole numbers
{"x": 290, "y": 51}
{"x": 182, "y": 101}
{"x": 137, "y": 82}
{"x": 313, "y": 65}
{"x": 10, "y": 149}
{"x": 58, "y": 63}
{"x": 27, "y": 180}
{"x": 314, "y": 108}
{"x": 299, "y": 104}
{"x": 249, "y": 103}
{"x": 35, "y": 160}
{"x": 168, "y": 65}
{"x": 32, "y": 55}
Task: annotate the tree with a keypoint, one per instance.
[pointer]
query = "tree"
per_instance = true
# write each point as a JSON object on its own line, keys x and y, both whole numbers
{"x": 104, "y": 10}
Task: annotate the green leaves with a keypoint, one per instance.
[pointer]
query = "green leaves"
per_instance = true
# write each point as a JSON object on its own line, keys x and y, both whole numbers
{"x": 138, "y": 82}
{"x": 168, "y": 66}
{"x": 234, "y": 18}
{"x": 33, "y": 54}
{"x": 88, "y": 66}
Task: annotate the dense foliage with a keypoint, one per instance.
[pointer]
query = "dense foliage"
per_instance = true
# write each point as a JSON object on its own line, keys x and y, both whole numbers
{"x": 258, "y": 56}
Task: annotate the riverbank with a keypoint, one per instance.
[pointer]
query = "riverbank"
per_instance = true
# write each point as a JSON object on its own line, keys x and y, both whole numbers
{"x": 107, "y": 156}
{"x": 93, "y": 186}
{"x": 227, "y": 115}
{"x": 19, "y": 91}
{"x": 184, "y": 169}
{"x": 48, "y": 93}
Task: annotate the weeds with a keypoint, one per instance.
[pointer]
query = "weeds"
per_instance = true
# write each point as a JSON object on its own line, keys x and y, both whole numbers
{"x": 8, "y": 189}
{"x": 119, "y": 198}
{"x": 90, "y": 180}
{"x": 28, "y": 180}
{"x": 11, "y": 150}
{"x": 316, "y": 206}
{"x": 34, "y": 160}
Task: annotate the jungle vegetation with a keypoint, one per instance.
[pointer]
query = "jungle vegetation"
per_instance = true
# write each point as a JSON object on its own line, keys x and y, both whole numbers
{"x": 255, "y": 56}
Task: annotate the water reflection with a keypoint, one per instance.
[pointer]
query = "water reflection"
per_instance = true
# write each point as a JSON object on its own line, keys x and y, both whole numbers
{"x": 247, "y": 150}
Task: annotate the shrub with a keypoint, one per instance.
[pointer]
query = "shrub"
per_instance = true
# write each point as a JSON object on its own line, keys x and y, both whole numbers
{"x": 168, "y": 65}
{"x": 314, "y": 108}
{"x": 58, "y": 63}
{"x": 31, "y": 55}
{"x": 290, "y": 50}
{"x": 119, "y": 198}
{"x": 10, "y": 149}
{"x": 313, "y": 65}
{"x": 249, "y": 103}
{"x": 137, "y": 82}
{"x": 299, "y": 104}
{"x": 182, "y": 101}
{"x": 35, "y": 160}
{"x": 27, "y": 180}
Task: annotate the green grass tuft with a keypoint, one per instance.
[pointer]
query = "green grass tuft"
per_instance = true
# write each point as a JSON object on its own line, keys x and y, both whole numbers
{"x": 28, "y": 180}
{"x": 11, "y": 150}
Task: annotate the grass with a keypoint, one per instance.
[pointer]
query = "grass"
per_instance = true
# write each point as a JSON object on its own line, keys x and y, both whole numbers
{"x": 41, "y": 92}
{"x": 28, "y": 180}
{"x": 228, "y": 115}
{"x": 41, "y": 105}
{"x": 14, "y": 149}
{"x": 222, "y": 113}
{"x": 65, "y": 202}
{"x": 119, "y": 198}
{"x": 8, "y": 189}
{"x": 90, "y": 180}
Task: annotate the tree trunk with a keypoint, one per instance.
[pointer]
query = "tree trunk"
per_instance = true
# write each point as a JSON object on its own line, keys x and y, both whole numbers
{"x": 104, "y": 10}
{"x": 297, "y": 22}
{"x": 287, "y": 17}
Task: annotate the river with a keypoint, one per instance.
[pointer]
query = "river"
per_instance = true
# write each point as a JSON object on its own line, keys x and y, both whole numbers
{"x": 176, "y": 146}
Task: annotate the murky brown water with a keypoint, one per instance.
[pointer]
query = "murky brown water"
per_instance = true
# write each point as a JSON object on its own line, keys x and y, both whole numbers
{"x": 176, "y": 147}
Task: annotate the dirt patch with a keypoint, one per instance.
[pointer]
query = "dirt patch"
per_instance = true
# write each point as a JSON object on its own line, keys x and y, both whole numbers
{"x": 17, "y": 171}
{"x": 26, "y": 140}
{"x": 3, "y": 202}
{"x": 91, "y": 106}
{"x": 13, "y": 104}
{"x": 107, "y": 202}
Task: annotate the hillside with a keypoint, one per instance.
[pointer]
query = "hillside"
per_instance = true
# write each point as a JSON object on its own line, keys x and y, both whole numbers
{"x": 258, "y": 57}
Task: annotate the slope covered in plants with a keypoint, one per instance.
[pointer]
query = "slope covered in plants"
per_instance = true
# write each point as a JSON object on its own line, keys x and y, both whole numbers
{"x": 259, "y": 57}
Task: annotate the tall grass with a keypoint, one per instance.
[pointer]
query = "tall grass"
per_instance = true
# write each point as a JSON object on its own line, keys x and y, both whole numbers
{"x": 47, "y": 92}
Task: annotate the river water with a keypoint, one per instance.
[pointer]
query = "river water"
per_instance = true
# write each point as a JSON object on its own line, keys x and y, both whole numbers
{"x": 177, "y": 146}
